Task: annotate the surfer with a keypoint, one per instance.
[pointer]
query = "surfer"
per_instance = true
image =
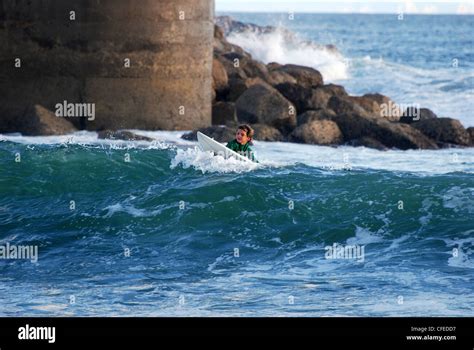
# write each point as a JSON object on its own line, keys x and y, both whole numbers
{"x": 242, "y": 142}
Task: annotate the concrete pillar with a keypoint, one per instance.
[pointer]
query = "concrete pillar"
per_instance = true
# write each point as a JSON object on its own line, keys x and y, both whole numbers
{"x": 145, "y": 64}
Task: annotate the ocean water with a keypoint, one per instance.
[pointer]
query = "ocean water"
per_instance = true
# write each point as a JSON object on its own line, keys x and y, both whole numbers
{"x": 423, "y": 60}
{"x": 178, "y": 232}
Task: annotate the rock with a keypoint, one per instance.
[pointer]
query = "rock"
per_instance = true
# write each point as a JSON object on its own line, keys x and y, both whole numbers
{"x": 414, "y": 114}
{"x": 232, "y": 71}
{"x": 305, "y": 76}
{"x": 220, "y": 80}
{"x": 267, "y": 133}
{"x": 230, "y": 25}
{"x": 279, "y": 77}
{"x": 265, "y": 105}
{"x": 252, "y": 68}
{"x": 371, "y": 106}
{"x": 273, "y": 65}
{"x": 213, "y": 96}
{"x": 223, "y": 113}
{"x": 122, "y": 135}
{"x": 470, "y": 131}
{"x": 444, "y": 131}
{"x": 304, "y": 98}
{"x": 310, "y": 116}
{"x": 393, "y": 135}
{"x": 345, "y": 105}
{"x": 317, "y": 132}
{"x": 221, "y": 134}
{"x": 334, "y": 90}
{"x": 255, "y": 69}
{"x": 218, "y": 33}
{"x": 36, "y": 121}
{"x": 388, "y": 108}
{"x": 238, "y": 86}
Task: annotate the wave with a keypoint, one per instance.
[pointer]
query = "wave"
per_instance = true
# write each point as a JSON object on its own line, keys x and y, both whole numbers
{"x": 275, "y": 46}
{"x": 271, "y": 155}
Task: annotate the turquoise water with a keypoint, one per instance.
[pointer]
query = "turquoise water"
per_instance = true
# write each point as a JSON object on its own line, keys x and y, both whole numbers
{"x": 206, "y": 240}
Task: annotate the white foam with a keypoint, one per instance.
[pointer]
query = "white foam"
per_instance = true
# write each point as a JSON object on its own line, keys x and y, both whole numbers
{"x": 91, "y": 138}
{"x": 459, "y": 199}
{"x": 364, "y": 236}
{"x": 275, "y": 47}
{"x": 206, "y": 162}
{"x": 359, "y": 158}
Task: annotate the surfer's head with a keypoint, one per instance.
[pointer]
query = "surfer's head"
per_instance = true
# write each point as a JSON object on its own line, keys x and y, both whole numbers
{"x": 244, "y": 134}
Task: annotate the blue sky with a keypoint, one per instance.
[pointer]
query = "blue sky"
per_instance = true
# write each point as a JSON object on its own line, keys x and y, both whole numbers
{"x": 349, "y": 6}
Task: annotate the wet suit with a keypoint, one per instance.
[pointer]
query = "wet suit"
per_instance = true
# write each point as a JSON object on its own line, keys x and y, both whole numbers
{"x": 243, "y": 150}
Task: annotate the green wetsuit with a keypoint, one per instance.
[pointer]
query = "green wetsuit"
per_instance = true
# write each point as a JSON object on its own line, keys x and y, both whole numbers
{"x": 243, "y": 150}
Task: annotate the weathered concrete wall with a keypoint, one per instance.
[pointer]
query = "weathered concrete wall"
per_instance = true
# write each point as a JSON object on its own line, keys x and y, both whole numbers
{"x": 84, "y": 60}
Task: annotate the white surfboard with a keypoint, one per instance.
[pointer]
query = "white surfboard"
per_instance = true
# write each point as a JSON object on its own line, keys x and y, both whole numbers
{"x": 210, "y": 145}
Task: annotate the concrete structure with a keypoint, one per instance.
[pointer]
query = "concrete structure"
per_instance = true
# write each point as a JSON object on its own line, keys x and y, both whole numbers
{"x": 145, "y": 64}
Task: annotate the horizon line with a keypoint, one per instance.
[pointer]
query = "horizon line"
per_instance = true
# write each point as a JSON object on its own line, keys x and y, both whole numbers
{"x": 345, "y": 13}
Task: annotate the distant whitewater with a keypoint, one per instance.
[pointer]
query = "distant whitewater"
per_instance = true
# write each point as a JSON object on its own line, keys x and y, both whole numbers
{"x": 425, "y": 60}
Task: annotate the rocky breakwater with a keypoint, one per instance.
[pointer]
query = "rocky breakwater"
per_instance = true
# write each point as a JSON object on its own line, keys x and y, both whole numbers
{"x": 292, "y": 103}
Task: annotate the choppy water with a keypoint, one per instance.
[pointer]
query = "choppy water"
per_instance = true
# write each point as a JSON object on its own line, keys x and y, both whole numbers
{"x": 208, "y": 237}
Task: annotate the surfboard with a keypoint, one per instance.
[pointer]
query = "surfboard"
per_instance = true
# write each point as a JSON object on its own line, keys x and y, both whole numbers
{"x": 210, "y": 145}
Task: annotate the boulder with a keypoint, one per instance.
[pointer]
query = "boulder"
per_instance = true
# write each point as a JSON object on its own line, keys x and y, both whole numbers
{"x": 371, "y": 106}
{"x": 317, "y": 132}
{"x": 470, "y": 131}
{"x": 223, "y": 113}
{"x": 218, "y": 33}
{"x": 238, "y": 86}
{"x": 233, "y": 72}
{"x": 444, "y": 131}
{"x": 304, "y": 98}
{"x": 309, "y": 116}
{"x": 305, "y": 76}
{"x": 221, "y": 134}
{"x": 267, "y": 133}
{"x": 346, "y": 105}
{"x": 280, "y": 77}
{"x": 380, "y": 105}
{"x": 414, "y": 114}
{"x": 220, "y": 80}
{"x": 36, "y": 121}
{"x": 121, "y": 135}
{"x": 265, "y": 105}
{"x": 393, "y": 135}
{"x": 252, "y": 68}
{"x": 273, "y": 65}
{"x": 334, "y": 90}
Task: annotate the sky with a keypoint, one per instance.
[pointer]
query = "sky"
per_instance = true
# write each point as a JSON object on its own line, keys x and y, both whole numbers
{"x": 349, "y": 6}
